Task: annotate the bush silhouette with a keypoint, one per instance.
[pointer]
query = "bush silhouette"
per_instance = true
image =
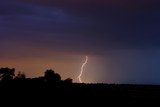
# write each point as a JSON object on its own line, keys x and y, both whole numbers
{"x": 51, "y": 76}
{"x": 68, "y": 80}
{"x": 7, "y": 74}
{"x": 20, "y": 76}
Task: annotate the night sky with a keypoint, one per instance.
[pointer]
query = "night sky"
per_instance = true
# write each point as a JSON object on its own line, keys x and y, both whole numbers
{"x": 120, "y": 37}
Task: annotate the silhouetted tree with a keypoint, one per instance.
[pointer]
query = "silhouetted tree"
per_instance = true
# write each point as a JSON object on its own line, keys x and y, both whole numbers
{"x": 7, "y": 74}
{"x": 51, "y": 76}
{"x": 20, "y": 76}
{"x": 68, "y": 80}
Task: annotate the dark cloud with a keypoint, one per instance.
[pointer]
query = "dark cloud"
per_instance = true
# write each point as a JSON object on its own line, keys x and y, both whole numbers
{"x": 101, "y": 25}
{"x": 98, "y": 3}
{"x": 98, "y": 8}
{"x": 124, "y": 33}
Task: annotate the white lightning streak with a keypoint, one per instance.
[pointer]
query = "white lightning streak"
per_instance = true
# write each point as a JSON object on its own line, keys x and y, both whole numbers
{"x": 82, "y": 69}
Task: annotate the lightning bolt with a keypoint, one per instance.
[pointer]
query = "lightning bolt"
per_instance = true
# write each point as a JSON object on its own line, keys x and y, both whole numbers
{"x": 82, "y": 69}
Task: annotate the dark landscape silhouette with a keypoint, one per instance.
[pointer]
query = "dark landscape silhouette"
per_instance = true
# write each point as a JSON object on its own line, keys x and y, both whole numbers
{"x": 52, "y": 89}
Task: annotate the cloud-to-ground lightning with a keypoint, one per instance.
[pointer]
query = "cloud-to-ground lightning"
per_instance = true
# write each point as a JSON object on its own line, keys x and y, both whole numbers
{"x": 82, "y": 69}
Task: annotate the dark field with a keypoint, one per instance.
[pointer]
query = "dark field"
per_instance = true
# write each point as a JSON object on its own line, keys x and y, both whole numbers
{"x": 50, "y": 90}
{"x": 33, "y": 92}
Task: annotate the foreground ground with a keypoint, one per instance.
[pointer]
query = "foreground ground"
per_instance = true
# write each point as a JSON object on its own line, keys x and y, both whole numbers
{"x": 79, "y": 94}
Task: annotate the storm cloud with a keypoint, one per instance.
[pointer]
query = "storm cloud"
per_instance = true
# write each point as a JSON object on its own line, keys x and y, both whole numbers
{"x": 37, "y": 28}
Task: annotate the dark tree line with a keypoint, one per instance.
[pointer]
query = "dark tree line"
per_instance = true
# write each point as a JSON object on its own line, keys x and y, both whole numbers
{"x": 8, "y": 74}
{"x": 53, "y": 89}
